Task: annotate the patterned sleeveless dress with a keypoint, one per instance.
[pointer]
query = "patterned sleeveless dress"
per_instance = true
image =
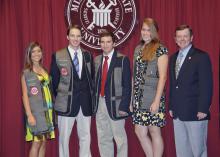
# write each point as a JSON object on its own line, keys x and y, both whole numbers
{"x": 45, "y": 81}
{"x": 140, "y": 116}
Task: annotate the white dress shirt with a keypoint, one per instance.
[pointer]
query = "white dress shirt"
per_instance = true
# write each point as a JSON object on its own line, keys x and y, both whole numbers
{"x": 184, "y": 52}
{"x": 109, "y": 58}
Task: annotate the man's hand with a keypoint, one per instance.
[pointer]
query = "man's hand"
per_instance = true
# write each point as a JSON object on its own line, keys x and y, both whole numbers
{"x": 201, "y": 115}
{"x": 171, "y": 113}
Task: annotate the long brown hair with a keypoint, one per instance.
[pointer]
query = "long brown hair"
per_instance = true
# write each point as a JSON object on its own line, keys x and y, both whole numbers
{"x": 149, "y": 50}
{"x": 28, "y": 61}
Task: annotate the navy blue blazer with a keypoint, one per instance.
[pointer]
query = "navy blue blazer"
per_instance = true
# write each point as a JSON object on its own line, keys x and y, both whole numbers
{"x": 110, "y": 87}
{"x": 82, "y": 96}
{"x": 192, "y": 91}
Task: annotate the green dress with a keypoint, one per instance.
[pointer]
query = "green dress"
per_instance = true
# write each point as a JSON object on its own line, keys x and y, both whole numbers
{"x": 45, "y": 80}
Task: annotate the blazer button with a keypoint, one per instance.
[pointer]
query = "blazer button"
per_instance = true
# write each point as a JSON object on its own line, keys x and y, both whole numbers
{"x": 177, "y": 87}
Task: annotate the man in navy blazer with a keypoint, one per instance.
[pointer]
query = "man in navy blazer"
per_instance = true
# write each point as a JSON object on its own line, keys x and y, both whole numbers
{"x": 190, "y": 95}
{"x": 112, "y": 97}
{"x": 72, "y": 80}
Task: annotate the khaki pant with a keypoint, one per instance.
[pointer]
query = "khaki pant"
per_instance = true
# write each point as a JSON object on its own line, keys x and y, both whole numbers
{"x": 190, "y": 138}
{"x": 65, "y": 125}
{"x": 107, "y": 130}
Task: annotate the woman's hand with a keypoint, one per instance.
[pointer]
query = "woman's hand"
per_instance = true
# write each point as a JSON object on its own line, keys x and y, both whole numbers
{"x": 31, "y": 120}
{"x": 154, "y": 107}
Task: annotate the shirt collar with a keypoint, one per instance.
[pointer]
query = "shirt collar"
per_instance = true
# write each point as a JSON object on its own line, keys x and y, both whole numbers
{"x": 185, "y": 51}
{"x": 110, "y": 54}
{"x": 72, "y": 51}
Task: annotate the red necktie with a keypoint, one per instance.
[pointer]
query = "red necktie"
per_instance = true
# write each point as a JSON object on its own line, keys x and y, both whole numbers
{"x": 104, "y": 76}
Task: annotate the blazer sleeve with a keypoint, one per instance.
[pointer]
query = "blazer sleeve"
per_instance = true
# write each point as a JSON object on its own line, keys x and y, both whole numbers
{"x": 126, "y": 86}
{"x": 55, "y": 74}
{"x": 205, "y": 83}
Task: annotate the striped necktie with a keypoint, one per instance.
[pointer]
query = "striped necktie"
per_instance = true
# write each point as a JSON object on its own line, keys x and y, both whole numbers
{"x": 76, "y": 62}
{"x": 178, "y": 63}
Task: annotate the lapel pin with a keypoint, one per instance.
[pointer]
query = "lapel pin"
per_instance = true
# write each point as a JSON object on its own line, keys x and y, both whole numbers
{"x": 190, "y": 58}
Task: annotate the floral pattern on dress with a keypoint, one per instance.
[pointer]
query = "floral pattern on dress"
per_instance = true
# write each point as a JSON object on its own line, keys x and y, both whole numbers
{"x": 140, "y": 116}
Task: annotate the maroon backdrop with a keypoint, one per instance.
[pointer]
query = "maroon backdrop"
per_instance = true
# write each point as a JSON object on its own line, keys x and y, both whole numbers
{"x": 22, "y": 21}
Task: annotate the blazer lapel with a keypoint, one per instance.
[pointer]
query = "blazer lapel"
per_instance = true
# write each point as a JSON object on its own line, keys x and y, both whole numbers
{"x": 111, "y": 67}
{"x": 186, "y": 62}
{"x": 99, "y": 72}
{"x": 70, "y": 59}
{"x": 174, "y": 66}
{"x": 84, "y": 64}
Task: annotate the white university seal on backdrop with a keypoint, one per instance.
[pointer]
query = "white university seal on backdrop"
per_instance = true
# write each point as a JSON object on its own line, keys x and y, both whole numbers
{"x": 118, "y": 16}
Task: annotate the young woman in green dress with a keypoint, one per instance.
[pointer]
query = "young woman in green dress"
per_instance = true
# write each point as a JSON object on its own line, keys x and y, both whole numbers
{"x": 37, "y": 101}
